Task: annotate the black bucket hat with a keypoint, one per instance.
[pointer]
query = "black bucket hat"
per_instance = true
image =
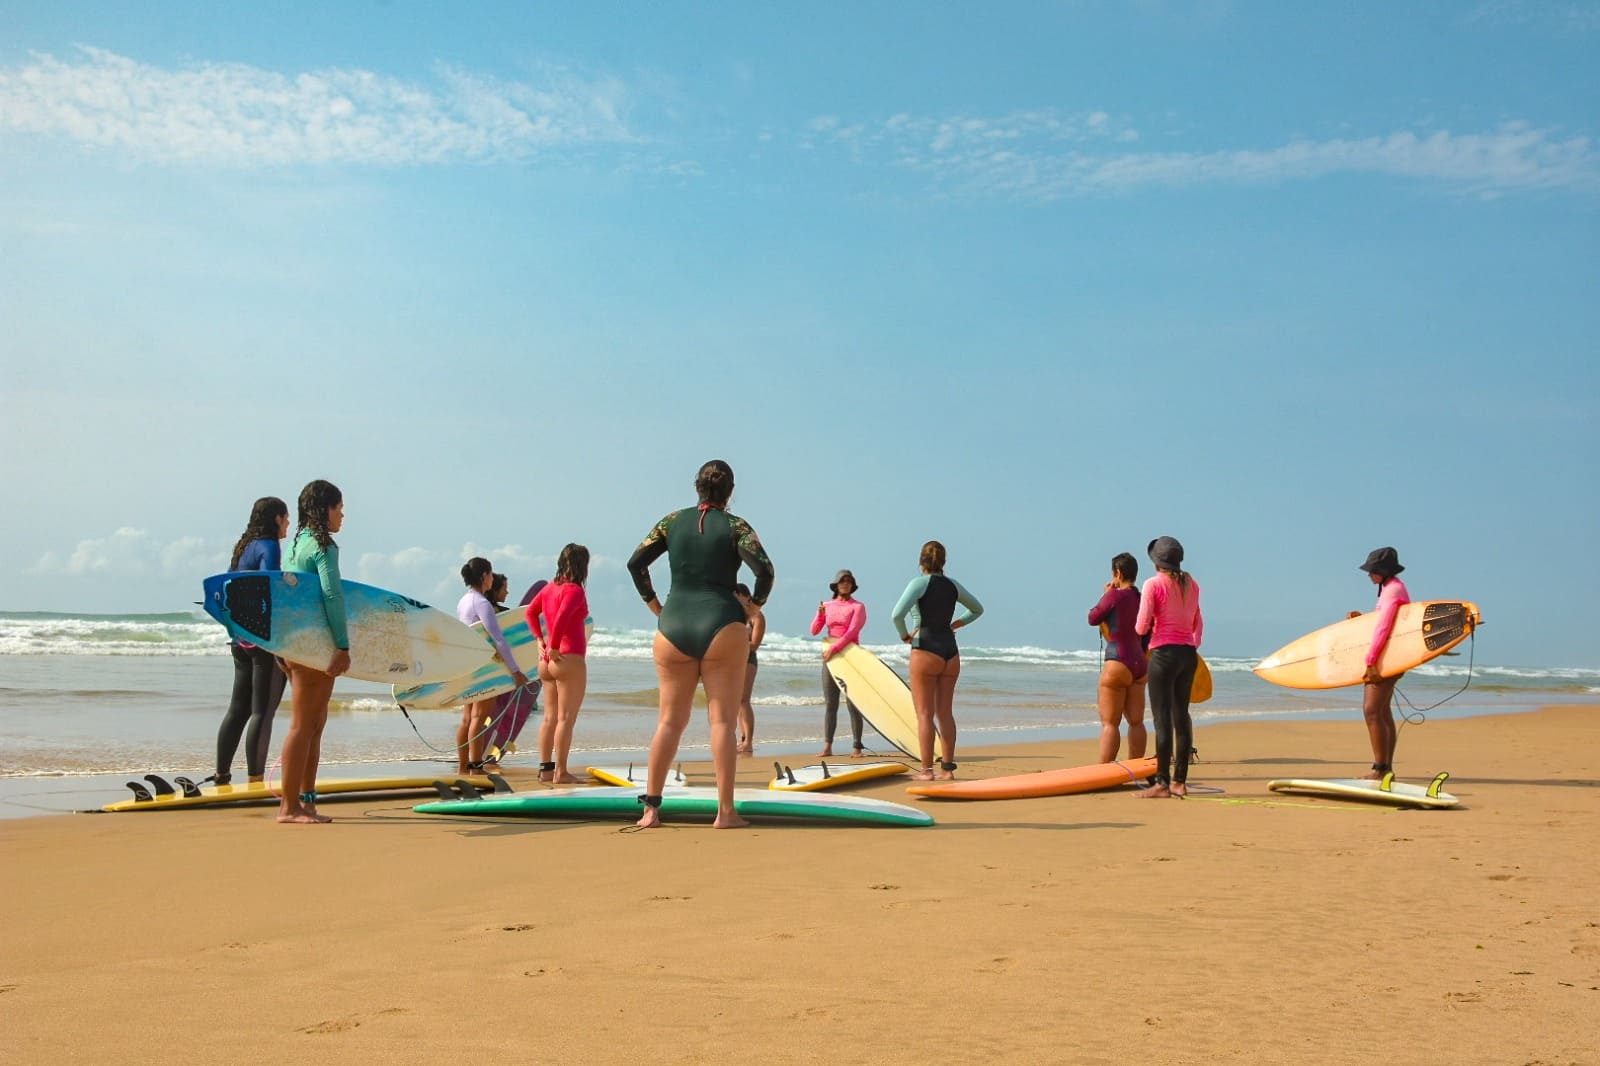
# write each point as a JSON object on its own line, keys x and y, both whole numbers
{"x": 1166, "y": 553}
{"x": 1384, "y": 561}
{"x": 833, "y": 586}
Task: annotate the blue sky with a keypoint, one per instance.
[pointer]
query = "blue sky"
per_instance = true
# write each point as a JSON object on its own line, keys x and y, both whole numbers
{"x": 1042, "y": 281}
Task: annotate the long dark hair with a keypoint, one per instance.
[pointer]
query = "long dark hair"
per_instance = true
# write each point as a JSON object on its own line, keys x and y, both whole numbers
{"x": 316, "y": 500}
{"x": 572, "y": 567}
{"x": 714, "y": 483}
{"x": 263, "y": 525}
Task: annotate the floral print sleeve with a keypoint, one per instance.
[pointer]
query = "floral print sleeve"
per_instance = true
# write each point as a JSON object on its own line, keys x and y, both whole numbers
{"x": 653, "y": 547}
{"x": 754, "y": 556}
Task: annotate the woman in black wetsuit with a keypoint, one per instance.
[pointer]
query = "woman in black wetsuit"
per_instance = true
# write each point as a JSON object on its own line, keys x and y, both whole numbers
{"x": 930, "y": 602}
{"x": 703, "y": 636}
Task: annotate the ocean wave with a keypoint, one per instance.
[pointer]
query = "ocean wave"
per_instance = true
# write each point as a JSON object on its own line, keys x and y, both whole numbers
{"x": 145, "y": 635}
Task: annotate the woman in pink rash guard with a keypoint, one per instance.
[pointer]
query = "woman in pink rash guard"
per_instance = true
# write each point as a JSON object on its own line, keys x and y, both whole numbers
{"x": 1383, "y": 568}
{"x": 844, "y": 617}
{"x": 562, "y": 666}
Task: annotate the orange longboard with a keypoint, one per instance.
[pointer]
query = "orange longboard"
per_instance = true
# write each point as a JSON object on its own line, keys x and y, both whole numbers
{"x": 1049, "y": 783}
{"x": 1336, "y": 655}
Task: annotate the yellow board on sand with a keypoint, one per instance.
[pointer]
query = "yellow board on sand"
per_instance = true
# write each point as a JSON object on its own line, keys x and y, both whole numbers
{"x": 878, "y": 693}
{"x": 163, "y": 797}
{"x": 1336, "y": 655}
{"x": 823, "y": 775}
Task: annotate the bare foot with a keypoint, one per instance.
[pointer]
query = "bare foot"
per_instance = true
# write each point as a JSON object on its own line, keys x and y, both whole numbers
{"x": 858, "y": 753}
{"x": 826, "y": 753}
{"x": 944, "y": 775}
{"x": 650, "y": 819}
{"x": 299, "y": 817}
{"x": 924, "y": 774}
{"x": 546, "y": 776}
{"x": 568, "y": 779}
{"x": 489, "y": 767}
{"x": 747, "y": 749}
{"x": 1153, "y": 792}
{"x": 729, "y": 821}
{"x": 1179, "y": 789}
{"x": 1370, "y": 775}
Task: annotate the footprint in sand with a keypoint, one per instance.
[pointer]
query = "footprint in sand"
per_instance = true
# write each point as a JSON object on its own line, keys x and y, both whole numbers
{"x": 336, "y": 1025}
{"x": 521, "y": 927}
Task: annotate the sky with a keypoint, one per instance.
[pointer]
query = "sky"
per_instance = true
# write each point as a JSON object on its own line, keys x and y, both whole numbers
{"x": 1042, "y": 281}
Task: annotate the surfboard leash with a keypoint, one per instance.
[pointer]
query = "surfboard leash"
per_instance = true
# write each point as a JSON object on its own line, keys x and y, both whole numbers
{"x": 1419, "y": 714}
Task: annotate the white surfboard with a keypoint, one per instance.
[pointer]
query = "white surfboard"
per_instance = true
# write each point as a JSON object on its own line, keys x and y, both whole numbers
{"x": 830, "y": 775}
{"x": 489, "y": 680}
{"x": 392, "y": 637}
{"x": 1387, "y": 791}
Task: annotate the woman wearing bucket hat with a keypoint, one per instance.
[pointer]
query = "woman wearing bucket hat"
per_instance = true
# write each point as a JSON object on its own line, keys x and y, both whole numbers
{"x": 844, "y": 617}
{"x": 1383, "y": 568}
{"x": 1169, "y": 613}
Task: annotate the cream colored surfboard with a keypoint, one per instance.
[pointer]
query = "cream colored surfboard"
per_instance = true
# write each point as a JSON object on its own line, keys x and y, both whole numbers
{"x": 1387, "y": 791}
{"x": 878, "y": 693}
{"x": 1336, "y": 655}
{"x": 830, "y": 775}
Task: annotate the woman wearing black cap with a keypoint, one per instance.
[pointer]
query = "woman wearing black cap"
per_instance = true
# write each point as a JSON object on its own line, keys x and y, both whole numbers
{"x": 1383, "y": 568}
{"x": 1169, "y": 612}
{"x": 844, "y": 617}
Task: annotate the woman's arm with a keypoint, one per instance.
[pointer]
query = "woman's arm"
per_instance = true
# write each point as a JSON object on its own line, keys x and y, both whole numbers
{"x": 758, "y": 630}
{"x": 1147, "y": 609}
{"x": 970, "y": 602}
{"x": 333, "y": 595}
{"x": 907, "y": 600}
{"x": 1103, "y": 610}
{"x": 755, "y": 557}
{"x": 653, "y": 547}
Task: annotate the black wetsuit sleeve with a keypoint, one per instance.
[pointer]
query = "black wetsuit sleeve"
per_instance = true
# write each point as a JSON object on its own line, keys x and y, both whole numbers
{"x": 755, "y": 557}
{"x": 653, "y": 547}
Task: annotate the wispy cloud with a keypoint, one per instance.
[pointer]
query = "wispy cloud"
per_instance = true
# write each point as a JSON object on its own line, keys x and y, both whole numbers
{"x": 1561, "y": 16}
{"x": 237, "y": 115}
{"x": 130, "y": 552}
{"x": 1040, "y": 156}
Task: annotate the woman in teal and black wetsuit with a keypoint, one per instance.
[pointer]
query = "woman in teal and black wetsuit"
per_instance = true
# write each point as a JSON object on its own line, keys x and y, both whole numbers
{"x": 313, "y": 551}
{"x": 702, "y": 636}
{"x": 930, "y": 602}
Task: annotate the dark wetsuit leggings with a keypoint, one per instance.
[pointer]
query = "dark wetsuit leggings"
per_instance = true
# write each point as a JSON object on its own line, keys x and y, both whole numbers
{"x": 257, "y": 691}
{"x": 1171, "y": 676}
{"x": 830, "y": 719}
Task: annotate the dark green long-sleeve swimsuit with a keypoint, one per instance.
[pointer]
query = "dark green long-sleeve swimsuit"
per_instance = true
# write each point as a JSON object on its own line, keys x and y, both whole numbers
{"x": 704, "y": 548}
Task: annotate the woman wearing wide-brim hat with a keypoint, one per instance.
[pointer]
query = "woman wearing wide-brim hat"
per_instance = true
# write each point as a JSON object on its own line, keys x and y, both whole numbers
{"x": 844, "y": 617}
{"x": 1169, "y": 612}
{"x": 1377, "y": 695}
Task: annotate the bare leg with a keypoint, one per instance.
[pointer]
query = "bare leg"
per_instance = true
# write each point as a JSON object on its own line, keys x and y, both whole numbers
{"x": 308, "y": 712}
{"x": 469, "y": 712}
{"x": 571, "y": 681}
{"x": 722, "y": 672}
{"x": 678, "y": 676}
{"x": 1376, "y": 708}
{"x": 925, "y": 670}
{"x": 1111, "y": 701}
{"x": 1133, "y": 713}
{"x": 552, "y": 716}
{"x": 945, "y": 716}
{"x": 747, "y": 712}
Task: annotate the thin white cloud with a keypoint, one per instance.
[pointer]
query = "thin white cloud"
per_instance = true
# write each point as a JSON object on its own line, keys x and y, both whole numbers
{"x": 129, "y": 552}
{"x": 237, "y": 115}
{"x": 1042, "y": 156}
{"x": 1561, "y": 16}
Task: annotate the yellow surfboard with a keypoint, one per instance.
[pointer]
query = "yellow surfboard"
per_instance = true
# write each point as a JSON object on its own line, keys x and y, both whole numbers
{"x": 162, "y": 796}
{"x": 1336, "y": 655}
{"x": 883, "y": 699}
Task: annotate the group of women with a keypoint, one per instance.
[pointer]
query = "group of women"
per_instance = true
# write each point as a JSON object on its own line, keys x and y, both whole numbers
{"x": 708, "y": 632}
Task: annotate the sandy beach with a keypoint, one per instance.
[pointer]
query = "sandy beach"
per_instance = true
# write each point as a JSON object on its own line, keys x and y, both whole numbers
{"x": 1241, "y": 926}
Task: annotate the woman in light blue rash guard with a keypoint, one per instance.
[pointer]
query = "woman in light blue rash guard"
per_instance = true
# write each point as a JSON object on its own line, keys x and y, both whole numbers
{"x": 930, "y": 604}
{"x": 313, "y": 551}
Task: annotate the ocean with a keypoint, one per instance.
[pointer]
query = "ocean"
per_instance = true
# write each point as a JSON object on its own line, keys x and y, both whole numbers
{"x": 89, "y": 701}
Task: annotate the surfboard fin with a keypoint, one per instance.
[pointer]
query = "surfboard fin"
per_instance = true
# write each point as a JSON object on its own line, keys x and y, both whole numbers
{"x": 444, "y": 790}
{"x": 190, "y": 789}
{"x": 1438, "y": 783}
{"x": 826, "y": 773}
{"x": 140, "y": 793}
{"x": 500, "y": 783}
{"x": 162, "y": 786}
{"x": 1386, "y": 783}
{"x": 466, "y": 790}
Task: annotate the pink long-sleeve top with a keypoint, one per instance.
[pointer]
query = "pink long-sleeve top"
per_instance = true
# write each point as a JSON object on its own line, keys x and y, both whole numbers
{"x": 1169, "y": 614}
{"x": 844, "y": 619}
{"x": 564, "y": 606}
{"x": 1391, "y": 597}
